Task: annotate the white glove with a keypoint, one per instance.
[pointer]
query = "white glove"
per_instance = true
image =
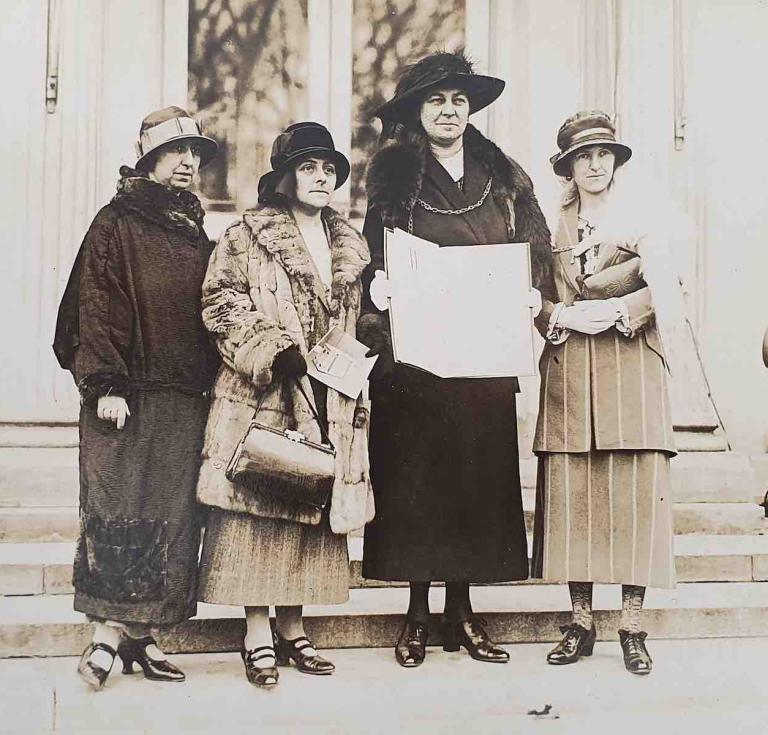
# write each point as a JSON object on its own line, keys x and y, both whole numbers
{"x": 589, "y": 317}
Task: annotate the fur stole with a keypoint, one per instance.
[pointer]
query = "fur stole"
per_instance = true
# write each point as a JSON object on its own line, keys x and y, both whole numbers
{"x": 396, "y": 172}
{"x": 176, "y": 210}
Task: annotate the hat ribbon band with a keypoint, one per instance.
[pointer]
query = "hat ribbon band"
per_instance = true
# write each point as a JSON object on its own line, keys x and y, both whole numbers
{"x": 593, "y": 132}
{"x": 167, "y": 130}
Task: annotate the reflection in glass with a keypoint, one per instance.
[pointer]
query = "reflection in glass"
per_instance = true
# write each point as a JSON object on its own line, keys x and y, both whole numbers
{"x": 386, "y": 35}
{"x": 247, "y": 82}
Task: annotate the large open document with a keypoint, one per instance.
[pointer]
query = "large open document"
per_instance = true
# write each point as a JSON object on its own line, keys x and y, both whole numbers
{"x": 461, "y": 311}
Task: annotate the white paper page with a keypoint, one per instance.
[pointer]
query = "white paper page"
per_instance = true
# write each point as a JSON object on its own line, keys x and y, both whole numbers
{"x": 460, "y": 311}
{"x": 411, "y": 264}
{"x": 338, "y": 360}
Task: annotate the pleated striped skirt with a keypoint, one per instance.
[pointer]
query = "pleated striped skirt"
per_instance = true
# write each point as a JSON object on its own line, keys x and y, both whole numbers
{"x": 248, "y": 560}
{"x": 604, "y": 516}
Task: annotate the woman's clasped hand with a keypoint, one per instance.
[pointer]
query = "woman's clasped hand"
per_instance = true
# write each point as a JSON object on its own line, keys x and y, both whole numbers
{"x": 589, "y": 317}
{"x": 114, "y": 409}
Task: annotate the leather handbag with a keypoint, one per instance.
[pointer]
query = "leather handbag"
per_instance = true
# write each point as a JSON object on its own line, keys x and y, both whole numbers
{"x": 284, "y": 462}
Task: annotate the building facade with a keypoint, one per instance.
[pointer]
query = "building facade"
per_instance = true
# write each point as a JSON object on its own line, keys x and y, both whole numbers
{"x": 680, "y": 76}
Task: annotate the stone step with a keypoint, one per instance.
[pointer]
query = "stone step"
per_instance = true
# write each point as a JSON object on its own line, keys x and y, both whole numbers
{"x": 48, "y": 476}
{"x": 48, "y": 626}
{"x": 24, "y": 525}
{"x": 46, "y": 568}
{"x": 56, "y": 524}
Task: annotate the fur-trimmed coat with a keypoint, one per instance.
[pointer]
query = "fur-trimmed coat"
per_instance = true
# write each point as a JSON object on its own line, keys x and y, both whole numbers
{"x": 260, "y": 296}
{"x": 129, "y": 325}
{"x": 444, "y": 457}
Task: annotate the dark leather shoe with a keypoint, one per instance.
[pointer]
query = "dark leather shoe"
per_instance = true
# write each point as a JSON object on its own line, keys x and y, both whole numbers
{"x": 636, "y": 657}
{"x": 134, "y": 651}
{"x": 411, "y": 646}
{"x": 577, "y": 642}
{"x": 292, "y": 650}
{"x": 92, "y": 673}
{"x": 472, "y": 635}
{"x": 260, "y": 676}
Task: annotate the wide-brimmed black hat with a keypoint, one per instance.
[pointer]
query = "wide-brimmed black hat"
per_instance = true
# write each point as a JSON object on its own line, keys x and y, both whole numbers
{"x": 439, "y": 69}
{"x": 299, "y": 140}
{"x": 168, "y": 125}
{"x": 586, "y": 129}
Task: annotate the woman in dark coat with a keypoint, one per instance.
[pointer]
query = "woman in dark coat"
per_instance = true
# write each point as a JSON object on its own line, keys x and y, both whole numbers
{"x": 131, "y": 332}
{"x": 444, "y": 456}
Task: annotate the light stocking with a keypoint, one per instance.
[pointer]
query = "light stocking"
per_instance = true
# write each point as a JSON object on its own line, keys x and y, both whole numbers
{"x": 581, "y": 600}
{"x": 632, "y": 598}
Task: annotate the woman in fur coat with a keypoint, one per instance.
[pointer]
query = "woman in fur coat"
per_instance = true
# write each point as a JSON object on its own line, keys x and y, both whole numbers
{"x": 278, "y": 281}
{"x": 444, "y": 455}
{"x": 130, "y": 331}
{"x": 604, "y": 435}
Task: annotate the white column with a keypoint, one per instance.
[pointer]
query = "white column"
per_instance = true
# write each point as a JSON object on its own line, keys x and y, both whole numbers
{"x": 329, "y": 76}
{"x": 478, "y": 47}
{"x": 175, "y": 52}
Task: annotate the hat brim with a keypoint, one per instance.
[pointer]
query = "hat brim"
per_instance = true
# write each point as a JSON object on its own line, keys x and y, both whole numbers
{"x": 271, "y": 179}
{"x": 481, "y": 90}
{"x": 208, "y": 148}
{"x": 560, "y": 161}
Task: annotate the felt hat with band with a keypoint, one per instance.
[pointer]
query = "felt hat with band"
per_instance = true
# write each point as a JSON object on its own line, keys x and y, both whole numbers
{"x": 586, "y": 129}
{"x": 448, "y": 70}
{"x": 298, "y": 141}
{"x": 168, "y": 125}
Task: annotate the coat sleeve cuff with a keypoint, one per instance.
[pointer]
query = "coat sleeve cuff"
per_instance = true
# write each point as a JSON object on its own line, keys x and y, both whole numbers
{"x": 96, "y": 385}
{"x": 556, "y": 335}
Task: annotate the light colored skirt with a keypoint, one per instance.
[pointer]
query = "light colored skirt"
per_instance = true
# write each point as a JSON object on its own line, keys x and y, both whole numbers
{"x": 249, "y": 560}
{"x": 604, "y": 516}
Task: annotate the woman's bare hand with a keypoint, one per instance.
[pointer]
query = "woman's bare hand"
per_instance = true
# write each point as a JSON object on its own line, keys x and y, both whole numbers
{"x": 114, "y": 409}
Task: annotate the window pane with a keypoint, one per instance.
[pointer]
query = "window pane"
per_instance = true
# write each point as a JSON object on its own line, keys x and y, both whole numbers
{"x": 386, "y": 35}
{"x": 247, "y": 82}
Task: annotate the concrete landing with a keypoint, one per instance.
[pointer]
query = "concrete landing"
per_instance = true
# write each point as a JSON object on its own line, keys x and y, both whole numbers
{"x": 702, "y": 687}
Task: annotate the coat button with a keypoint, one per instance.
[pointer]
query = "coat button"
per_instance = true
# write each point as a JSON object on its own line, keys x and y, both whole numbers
{"x": 218, "y": 464}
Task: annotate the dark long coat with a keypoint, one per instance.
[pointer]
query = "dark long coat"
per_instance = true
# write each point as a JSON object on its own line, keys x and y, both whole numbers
{"x": 444, "y": 456}
{"x": 130, "y": 325}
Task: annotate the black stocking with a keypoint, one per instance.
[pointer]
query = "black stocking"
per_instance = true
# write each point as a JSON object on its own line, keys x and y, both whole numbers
{"x": 418, "y": 606}
{"x": 458, "y": 606}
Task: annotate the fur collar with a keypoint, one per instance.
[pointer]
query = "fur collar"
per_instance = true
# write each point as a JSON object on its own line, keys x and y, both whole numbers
{"x": 396, "y": 173}
{"x": 179, "y": 211}
{"x": 275, "y": 229}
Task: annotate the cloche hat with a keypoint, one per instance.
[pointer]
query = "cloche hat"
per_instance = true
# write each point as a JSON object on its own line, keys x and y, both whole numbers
{"x": 299, "y": 140}
{"x": 447, "y": 70}
{"x": 585, "y": 129}
{"x": 169, "y": 124}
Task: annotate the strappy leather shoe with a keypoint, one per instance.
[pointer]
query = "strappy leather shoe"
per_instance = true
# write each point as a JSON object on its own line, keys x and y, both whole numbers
{"x": 577, "y": 642}
{"x": 292, "y": 650}
{"x": 134, "y": 651}
{"x": 410, "y": 649}
{"x": 636, "y": 657}
{"x": 260, "y": 676}
{"x": 93, "y": 674}
{"x": 472, "y": 635}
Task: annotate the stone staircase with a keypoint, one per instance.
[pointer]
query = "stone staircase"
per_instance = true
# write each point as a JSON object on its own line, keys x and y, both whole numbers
{"x": 721, "y": 555}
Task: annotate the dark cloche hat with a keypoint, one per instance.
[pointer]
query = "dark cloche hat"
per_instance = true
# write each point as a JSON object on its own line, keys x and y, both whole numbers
{"x": 444, "y": 69}
{"x": 170, "y": 124}
{"x": 585, "y": 129}
{"x": 299, "y": 140}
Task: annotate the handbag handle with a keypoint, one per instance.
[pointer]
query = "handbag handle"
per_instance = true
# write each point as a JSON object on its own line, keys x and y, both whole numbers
{"x": 323, "y": 432}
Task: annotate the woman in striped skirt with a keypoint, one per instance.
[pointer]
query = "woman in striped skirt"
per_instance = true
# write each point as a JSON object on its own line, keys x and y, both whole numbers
{"x": 604, "y": 435}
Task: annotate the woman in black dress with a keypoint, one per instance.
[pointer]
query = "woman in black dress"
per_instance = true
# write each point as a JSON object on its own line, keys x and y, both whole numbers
{"x": 444, "y": 457}
{"x": 131, "y": 332}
